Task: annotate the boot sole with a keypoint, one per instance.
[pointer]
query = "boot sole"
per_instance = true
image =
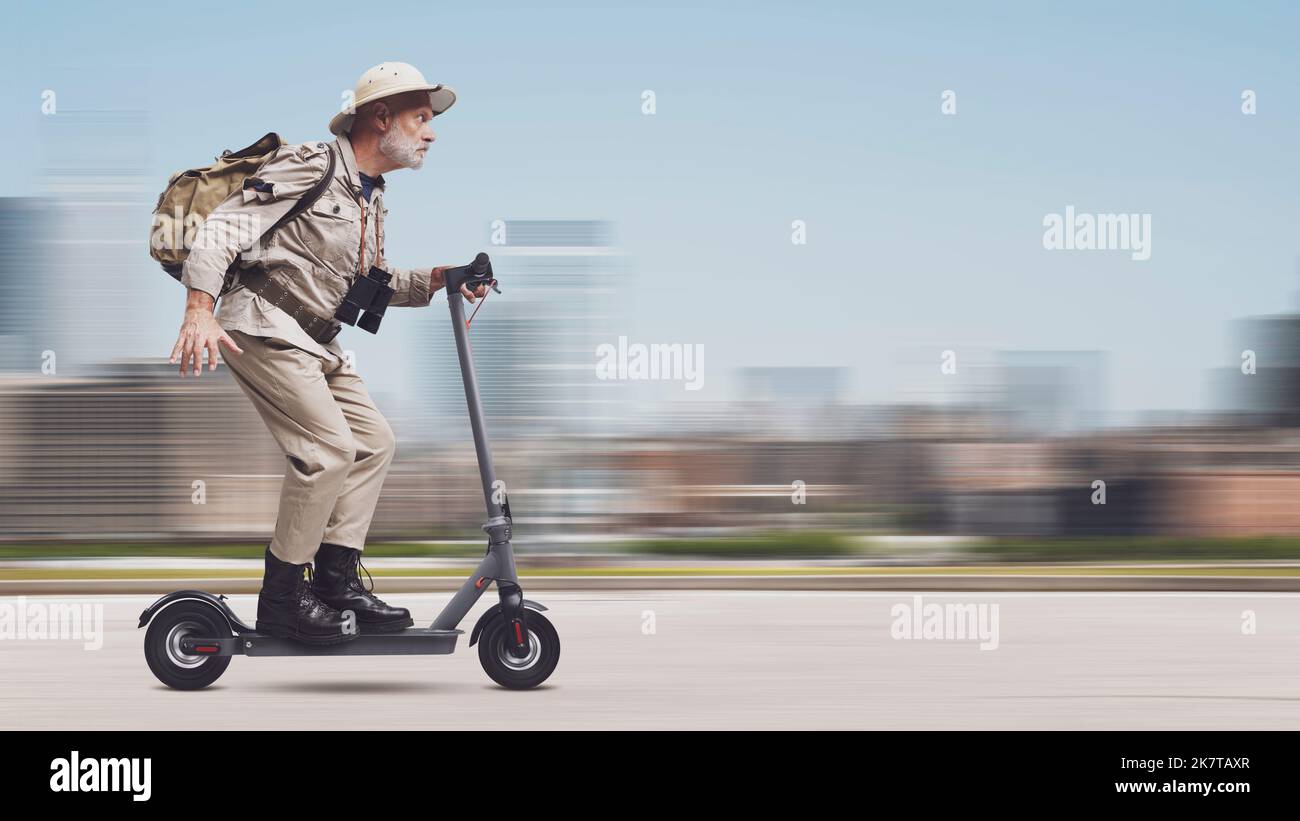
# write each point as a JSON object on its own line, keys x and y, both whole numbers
{"x": 283, "y": 633}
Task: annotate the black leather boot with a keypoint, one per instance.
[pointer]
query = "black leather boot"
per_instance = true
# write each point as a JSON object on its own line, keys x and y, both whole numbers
{"x": 338, "y": 583}
{"x": 288, "y": 609}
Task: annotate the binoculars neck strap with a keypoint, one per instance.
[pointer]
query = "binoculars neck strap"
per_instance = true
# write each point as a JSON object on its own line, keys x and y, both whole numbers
{"x": 361, "y": 255}
{"x": 379, "y": 236}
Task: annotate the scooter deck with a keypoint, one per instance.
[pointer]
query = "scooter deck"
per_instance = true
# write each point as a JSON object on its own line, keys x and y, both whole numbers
{"x": 413, "y": 641}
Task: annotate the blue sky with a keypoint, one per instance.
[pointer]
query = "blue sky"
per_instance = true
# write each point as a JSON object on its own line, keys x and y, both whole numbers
{"x": 924, "y": 231}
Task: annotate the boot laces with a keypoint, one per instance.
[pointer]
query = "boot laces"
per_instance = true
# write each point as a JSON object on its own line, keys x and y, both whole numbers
{"x": 354, "y": 577}
{"x": 306, "y": 595}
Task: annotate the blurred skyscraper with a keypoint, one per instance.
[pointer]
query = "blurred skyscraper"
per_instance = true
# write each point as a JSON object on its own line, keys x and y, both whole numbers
{"x": 792, "y": 402}
{"x": 534, "y": 344}
{"x": 1263, "y": 380}
{"x": 95, "y": 269}
{"x": 1045, "y": 393}
{"x": 816, "y": 385}
{"x": 26, "y": 298}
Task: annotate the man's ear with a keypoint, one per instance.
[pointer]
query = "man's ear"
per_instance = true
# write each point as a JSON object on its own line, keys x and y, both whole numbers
{"x": 382, "y": 116}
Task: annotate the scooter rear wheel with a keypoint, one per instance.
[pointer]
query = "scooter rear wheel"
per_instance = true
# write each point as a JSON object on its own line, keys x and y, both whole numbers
{"x": 519, "y": 673}
{"x": 162, "y": 645}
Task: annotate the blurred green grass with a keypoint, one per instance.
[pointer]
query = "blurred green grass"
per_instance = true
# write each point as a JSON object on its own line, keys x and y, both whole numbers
{"x": 199, "y": 550}
{"x": 1136, "y": 549}
{"x": 74, "y": 573}
{"x": 772, "y": 545}
{"x": 793, "y": 545}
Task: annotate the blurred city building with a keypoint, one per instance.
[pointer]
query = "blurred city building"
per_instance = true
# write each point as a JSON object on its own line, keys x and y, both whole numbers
{"x": 535, "y": 349}
{"x": 1011, "y": 443}
{"x": 1048, "y": 393}
{"x": 96, "y": 270}
{"x": 134, "y": 452}
{"x": 1270, "y": 395}
{"x": 27, "y": 302}
{"x": 793, "y": 402}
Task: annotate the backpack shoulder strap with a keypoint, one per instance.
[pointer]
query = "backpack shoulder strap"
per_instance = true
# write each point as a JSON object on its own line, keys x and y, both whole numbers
{"x": 308, "y": 199}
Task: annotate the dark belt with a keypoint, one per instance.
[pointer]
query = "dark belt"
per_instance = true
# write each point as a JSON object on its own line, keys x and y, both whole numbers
{"x": 318, "y": 328}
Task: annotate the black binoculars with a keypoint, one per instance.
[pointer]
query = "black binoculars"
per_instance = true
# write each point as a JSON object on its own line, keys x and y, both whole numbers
{"x": 369, "y": 297}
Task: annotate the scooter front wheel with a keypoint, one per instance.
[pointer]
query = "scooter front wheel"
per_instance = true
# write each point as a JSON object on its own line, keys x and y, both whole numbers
{"x": 519, "y": 673}
{"x": 162, "y": 645}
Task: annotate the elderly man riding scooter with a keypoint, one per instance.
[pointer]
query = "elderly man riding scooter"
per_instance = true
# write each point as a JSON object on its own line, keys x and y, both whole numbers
{"x": 276, "y": 326}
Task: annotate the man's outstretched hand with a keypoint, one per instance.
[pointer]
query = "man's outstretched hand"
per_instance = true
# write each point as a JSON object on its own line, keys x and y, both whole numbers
{"x": 200, "y": 331}
{"x": 439, "y": 279}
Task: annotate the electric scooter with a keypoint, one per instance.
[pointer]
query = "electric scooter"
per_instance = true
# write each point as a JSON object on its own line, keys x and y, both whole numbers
{"x": 193, "y": 635}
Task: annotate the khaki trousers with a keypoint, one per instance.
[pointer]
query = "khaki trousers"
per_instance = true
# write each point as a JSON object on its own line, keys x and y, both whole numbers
{"x": 337, "y": 445}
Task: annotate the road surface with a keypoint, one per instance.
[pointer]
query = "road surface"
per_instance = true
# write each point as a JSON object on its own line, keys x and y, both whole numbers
{"x": 723, "y": 660}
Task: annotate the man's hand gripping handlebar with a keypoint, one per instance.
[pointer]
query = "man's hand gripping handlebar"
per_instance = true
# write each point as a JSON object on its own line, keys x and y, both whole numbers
{"x": 475, "y": 276}
{"x": 478, "y": 272}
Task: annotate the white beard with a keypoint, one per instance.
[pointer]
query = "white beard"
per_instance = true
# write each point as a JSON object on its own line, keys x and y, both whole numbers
{"x": 397, "y": 148}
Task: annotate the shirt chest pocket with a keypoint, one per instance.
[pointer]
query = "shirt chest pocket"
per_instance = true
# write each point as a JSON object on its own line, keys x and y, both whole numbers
{"x": 336, "y": 232}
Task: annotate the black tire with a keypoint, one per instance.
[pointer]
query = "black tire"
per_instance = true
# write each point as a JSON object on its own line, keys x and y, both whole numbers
{"x": 519, "y": 674}
{"x": 178, "y": 670}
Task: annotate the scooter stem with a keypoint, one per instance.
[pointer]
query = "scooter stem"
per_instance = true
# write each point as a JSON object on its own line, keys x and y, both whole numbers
{"x": 499, "y": 563}
{"x": 473, "y": 404}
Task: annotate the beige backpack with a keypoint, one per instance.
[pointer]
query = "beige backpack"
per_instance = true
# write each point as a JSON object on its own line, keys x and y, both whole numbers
{"x": 193, "y": 194}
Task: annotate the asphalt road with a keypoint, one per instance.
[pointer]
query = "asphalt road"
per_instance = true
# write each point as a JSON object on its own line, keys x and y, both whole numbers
{"x": 720, "y": 660}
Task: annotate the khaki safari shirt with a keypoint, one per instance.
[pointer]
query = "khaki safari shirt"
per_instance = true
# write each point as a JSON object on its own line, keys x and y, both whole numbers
{"x": 316, "y": 257}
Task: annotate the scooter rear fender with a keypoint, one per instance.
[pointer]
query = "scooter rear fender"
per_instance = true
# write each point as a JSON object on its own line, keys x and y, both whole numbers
{"x": 219, "y": 602}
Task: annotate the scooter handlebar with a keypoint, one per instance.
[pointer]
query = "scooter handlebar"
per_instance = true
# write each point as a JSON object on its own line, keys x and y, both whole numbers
{"x": 478, "y": 272}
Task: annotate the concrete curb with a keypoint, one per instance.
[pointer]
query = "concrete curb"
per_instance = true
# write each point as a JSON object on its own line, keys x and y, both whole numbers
{"x": 920, "y": 582}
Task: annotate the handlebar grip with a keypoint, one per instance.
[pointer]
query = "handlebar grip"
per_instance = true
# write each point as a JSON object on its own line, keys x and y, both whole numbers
{"x": 478, "y": 272}
{"x": 481, "y": 265}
